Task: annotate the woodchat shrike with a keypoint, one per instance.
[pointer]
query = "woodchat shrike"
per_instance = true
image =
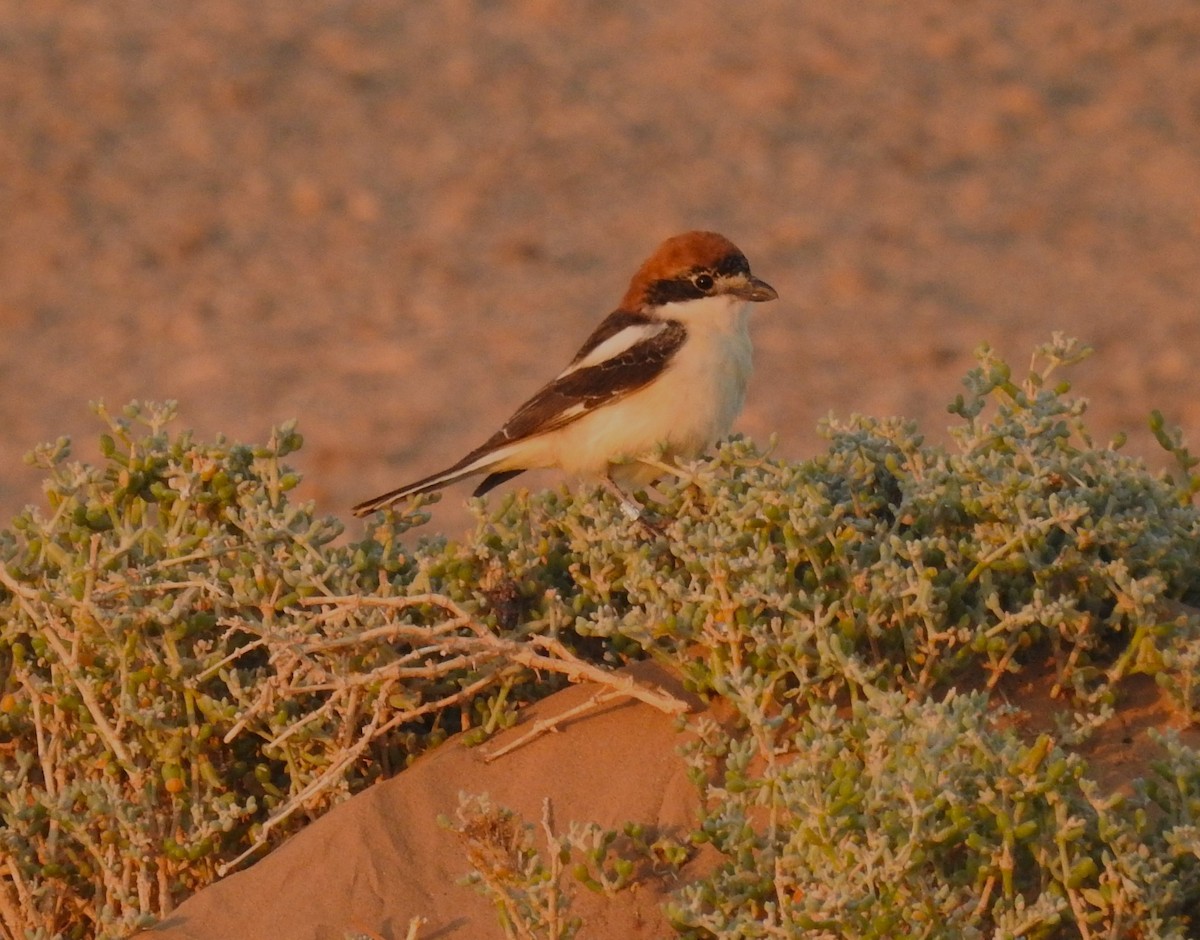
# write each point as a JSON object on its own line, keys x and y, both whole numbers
{"x": 661, "y": 378}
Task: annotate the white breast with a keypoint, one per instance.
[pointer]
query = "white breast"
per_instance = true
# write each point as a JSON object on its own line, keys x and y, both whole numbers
{"x": 691, "y": 405}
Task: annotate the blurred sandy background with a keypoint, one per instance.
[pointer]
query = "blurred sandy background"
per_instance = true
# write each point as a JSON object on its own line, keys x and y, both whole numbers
{"x": 393, "y": 220}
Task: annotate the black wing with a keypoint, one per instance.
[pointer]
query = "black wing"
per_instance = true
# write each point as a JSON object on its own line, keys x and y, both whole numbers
{"x": 572, "y": 395}
{"x": 568, "y": 398}
{"x": 610, "y": 326}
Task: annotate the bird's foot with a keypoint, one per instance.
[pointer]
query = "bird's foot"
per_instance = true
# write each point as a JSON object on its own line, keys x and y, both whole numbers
{"x": 635, "y": 512}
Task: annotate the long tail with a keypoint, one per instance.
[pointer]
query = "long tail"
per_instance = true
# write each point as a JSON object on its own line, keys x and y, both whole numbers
{"x": 479, "y": 461}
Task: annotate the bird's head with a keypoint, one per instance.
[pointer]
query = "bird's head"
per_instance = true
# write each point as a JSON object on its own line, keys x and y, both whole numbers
{"x": 693, "y": 266}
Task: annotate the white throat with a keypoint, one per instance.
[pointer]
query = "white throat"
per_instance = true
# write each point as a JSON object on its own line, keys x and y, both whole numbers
{"x": 721, "y": 313}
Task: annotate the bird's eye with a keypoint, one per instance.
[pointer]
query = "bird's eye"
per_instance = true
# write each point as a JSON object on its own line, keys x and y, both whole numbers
{"x": 704, "y": 282}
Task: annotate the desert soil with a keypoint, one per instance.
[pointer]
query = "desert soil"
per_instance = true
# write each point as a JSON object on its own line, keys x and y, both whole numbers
{"x": 393, "y": 221}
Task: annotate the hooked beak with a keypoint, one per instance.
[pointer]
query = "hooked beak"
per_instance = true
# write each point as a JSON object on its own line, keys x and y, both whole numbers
{"x": 755, "y": 290}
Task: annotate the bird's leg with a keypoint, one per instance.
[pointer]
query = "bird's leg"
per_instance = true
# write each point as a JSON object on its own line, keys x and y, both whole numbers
{"x": 671, "y": 468}
{"x": 684, "y": 477}
{"x": 630, "y": 507}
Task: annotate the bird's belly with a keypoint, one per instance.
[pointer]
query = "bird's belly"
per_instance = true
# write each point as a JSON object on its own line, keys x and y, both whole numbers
{"x": 691, "y": 406}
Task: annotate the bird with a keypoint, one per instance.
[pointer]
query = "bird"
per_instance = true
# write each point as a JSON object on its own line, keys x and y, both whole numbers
{"x": 662, "y": 378}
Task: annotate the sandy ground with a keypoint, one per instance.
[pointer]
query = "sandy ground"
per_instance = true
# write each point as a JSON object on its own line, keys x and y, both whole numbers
{"x": 393, "y": 221}
{"x": 371, "y": 865}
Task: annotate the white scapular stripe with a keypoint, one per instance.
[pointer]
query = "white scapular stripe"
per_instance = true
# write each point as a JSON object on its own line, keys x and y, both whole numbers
{"x": 616, "y": 344}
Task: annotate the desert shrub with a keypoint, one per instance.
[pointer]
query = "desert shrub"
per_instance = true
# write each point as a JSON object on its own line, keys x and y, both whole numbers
{"x": 192, "y": 665}
{"x": 926, "y": 818}
{"x": 879, "y": 576}
{"x": 168, "y": 703}
{"x": 892, "y": 563}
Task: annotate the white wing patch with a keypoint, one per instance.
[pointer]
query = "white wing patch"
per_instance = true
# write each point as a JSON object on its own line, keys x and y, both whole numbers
{"x": 616, "y": 344}
{"x": 579, "y": 408}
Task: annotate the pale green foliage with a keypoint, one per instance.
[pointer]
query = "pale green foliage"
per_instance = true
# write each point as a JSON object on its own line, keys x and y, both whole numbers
{"x": 523, "y": 880}
{"x": 610, "y": 861}
{"x": 171, "y": 697}
{"x": 523, "y": 873}
{"x": 924, "y": 819}
{"x": 889, "y": 562}
{"x": 167, "y": 703}
{"x": 882, "y": 573}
